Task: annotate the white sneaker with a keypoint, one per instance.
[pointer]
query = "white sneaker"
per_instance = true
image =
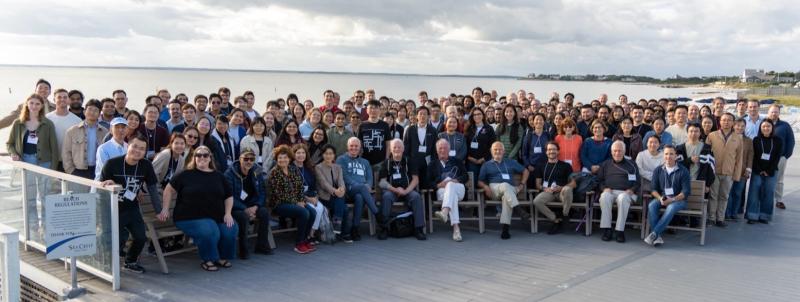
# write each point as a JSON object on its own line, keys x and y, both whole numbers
{"x": 650, "y": 238}
{"x": 441, "y": 216}
{"x": 659, "y": 241}
{"x": 457, "y": 236}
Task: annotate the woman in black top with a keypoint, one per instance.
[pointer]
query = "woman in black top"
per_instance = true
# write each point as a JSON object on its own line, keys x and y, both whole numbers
{"x": 203, "y": 210}
{"x": 480, "y": 136}
{"x": 767, "y": 150}
{"x": 316, "y": 140}
{"x": 204, "y": 127}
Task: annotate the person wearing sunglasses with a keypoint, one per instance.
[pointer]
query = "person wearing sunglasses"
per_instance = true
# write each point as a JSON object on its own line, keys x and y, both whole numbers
{"x": 203, "y": 209}
{"x": 249, "y": 196}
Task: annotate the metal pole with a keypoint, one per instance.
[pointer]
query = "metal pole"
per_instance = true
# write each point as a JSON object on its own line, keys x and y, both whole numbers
{"x": 74, "y": 291}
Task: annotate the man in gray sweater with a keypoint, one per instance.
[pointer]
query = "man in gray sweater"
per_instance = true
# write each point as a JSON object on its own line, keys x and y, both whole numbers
{"x": 619, "y": 181}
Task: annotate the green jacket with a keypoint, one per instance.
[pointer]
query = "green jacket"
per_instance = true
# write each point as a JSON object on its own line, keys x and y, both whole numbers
{"x": 47, "y": 147}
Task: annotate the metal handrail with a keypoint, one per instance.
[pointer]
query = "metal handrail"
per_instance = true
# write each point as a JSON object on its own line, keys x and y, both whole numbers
{"x": 59, "y": 175}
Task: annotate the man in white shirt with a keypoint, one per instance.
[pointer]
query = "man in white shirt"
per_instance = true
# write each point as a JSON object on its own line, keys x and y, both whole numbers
{"x": 678, "y": 130}
{"x": 62, "y": 119}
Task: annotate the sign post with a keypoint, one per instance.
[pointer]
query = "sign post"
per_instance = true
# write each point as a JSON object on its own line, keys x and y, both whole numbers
{"x": 71, "y": 231}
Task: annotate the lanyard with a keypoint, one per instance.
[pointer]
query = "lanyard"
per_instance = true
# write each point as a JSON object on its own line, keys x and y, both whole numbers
{"x": 504, "y": 166}
{"x": 152, "y": 137}
{"x": 397, "y": 167}
{"x": 625, "y": 169}
{"x": 549, "y": 178}
{"x": 125, "y": 176}
{"x": 770, "y": 146}
{"x": 671, "y": 183}
{"x": 726, "y": 136}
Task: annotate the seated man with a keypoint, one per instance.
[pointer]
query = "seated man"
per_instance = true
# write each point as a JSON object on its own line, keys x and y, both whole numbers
{"x": 553, "y": 182}
{"x": 449, "y": 175}
{"x": 358, "y": 181}
{"x": 398, "y": 179}
{"x": 668, "y": 179}
{"x": 496, "y": 179}
{"x": 249, "y": 197}
{"x": 619, "y": 181}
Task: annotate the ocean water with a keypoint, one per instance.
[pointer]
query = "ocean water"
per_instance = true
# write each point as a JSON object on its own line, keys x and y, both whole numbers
{"x": 16, "y": 83}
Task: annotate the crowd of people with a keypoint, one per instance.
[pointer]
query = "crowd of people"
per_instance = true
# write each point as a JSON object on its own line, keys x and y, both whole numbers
{"x": 224, "y": 165}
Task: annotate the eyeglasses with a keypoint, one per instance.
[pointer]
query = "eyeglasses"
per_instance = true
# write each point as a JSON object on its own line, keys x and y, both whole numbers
{"x": 192, "y": 136}
{"x": 248, "y": 159}
{"x": 202, "y": 155}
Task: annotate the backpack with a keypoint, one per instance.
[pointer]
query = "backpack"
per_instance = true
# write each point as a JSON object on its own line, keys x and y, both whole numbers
{"x": 401, "y": 225}
{"x": 584, "y": 183}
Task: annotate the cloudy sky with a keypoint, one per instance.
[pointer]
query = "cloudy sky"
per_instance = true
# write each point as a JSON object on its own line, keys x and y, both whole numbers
{"x": 514, "y": 37}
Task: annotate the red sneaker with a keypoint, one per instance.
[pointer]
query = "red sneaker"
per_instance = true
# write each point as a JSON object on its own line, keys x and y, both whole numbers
{"x": 310, "y": 247}
{"x": 301, "y": 248}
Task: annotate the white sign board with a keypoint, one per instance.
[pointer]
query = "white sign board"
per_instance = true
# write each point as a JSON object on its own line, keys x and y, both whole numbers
{"x": 70, "y": 225}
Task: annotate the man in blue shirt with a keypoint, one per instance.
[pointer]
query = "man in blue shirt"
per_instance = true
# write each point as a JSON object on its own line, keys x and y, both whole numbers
{"x": 358, "y": 181}
{"x": 114, "y": 147}
{"x": 752, "y": 119}
{"x": 671, "y": 187}
{"x": 497, "y": 180}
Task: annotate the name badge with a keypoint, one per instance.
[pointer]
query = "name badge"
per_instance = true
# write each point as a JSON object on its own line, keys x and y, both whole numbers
{"x": 305, "y": 188}
{"x": 359, "y": 172}
{"x": 243, "y": 195}
{"x": 569, "y": 161}
{"x": 537, "y": 149}
{"x": 129, "y": 195}
{"x": 33, "y": 139}
{"x": 422, "y": 149}
{"x": 669, "y": 191}
{"x": 545, "y": 184}
{"x": 396, "y": 176}
{"x": 452, "y": 153}
{"x": 505, "y": 176}
{"x": 632, "y": 177}
{"x": 764, "y": 156}
{"x": 260, "y": 160}
{"x": 427, "y": 159}
{"x": 627, "y": 157}
{"x": 473, "y": 145}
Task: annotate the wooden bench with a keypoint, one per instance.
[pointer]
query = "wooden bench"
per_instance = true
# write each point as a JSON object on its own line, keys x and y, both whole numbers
{"x": 559, "y": 206}
{"x": 696, "y": 207}
{"x": 470, "y": 200}
{"x": 523, "y": 197}
{"x": 155, "y": 230}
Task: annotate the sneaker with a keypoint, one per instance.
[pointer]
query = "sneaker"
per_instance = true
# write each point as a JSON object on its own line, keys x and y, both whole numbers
{"x": 301, "y": 248}
{"x": 780, "y": 205}
{"x": 621, "y": 236}
{"x": 606, "y": 234}
{"x": 659, "y": 241}
{"x": 721, "y": 224}
{"x": 310, "y": 247}
{"x": 457, "y": 236}
{"x": 344, "y": 238}
{"x": 751, "y": 221}
{"x": 441, "y": 216}
{"x": 337, "y": 227}
{"x": 355, "y": 235}
{"x": 505, "y": 234}
{"x": 420, "y": 234}
{"x": 134, "y": 267}
{"x": 555, "y": 228}
{"x": 763, "y": 221}
{"x": 650, "y": 238}
{"x": 383, "y": 234}
{"x": 523, "y": 215}
{"x": 264, "y": 251}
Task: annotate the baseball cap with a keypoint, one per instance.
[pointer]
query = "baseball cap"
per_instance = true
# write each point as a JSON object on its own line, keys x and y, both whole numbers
{"x": 119, "y": 120}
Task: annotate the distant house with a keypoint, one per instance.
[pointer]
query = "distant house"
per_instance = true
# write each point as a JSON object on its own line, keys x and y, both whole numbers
{"x": 781, "y": 79}
{"x": 628, "y": 79}
{"x": 755, "y": 76}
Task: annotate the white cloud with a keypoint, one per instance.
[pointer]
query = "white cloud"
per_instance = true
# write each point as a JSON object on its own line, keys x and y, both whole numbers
{"x": 513, "y": 37}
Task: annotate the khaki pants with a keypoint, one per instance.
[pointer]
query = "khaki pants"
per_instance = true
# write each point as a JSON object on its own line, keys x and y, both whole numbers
{"x": 543, "y": 198}
{"x": 623, "y": 200}
{"x": 718, "y": 197}
{"x": 450, "y": 195}
{"x": 507, "y": 194}
{"x": 779, "y": 184}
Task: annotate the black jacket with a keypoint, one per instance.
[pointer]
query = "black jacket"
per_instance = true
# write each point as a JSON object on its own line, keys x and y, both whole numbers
{"x": 706, "y": 170}
{"x": 454, "y": 169}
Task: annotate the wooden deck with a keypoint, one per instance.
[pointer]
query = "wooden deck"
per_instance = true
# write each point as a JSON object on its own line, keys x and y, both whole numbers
{"x": 740, "y": 263}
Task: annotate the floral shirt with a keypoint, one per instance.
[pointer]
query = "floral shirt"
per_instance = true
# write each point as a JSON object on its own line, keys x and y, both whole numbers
{"x": 285, "y": 189}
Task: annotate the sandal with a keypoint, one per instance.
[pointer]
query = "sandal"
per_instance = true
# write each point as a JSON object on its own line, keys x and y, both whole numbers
{"x": 209, "y": 266}
{"x": 224, "y": 264}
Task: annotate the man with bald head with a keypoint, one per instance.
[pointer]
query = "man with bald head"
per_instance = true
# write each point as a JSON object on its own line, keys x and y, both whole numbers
{"x": 497, "y": 180}
{"x": 398, "y": 180}
{"x": 784, "y": 132}
{"x": 357, "y": 174}
{"x": 619, "y": 181}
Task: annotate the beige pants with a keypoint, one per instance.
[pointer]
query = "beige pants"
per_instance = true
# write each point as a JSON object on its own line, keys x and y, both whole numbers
{"x": 543, "y": 198}
{"x": 450, "y": 195}
{"x": 718, "y": 197}
{"x": 507, "y": 194}
{"x": 623, "y": 200}
{"x": 779, "y": 183}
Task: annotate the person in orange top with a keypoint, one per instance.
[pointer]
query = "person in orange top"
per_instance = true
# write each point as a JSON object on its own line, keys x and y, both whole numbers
{"x": 570, "y": 144}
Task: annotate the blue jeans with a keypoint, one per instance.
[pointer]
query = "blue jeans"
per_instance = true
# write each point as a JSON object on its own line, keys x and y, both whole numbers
{"x": 337, "y": 206}
{"x": 360, "y": 195}
{"x": 412, "y": 200}
{"x": 38, "y": 186}
{"x": 735, "y": 199}
{"x": 761, "y": 197}
{"x": 214, "y": 240}
{"x": 659, "y": 223}
{"x": 303, "y": 218}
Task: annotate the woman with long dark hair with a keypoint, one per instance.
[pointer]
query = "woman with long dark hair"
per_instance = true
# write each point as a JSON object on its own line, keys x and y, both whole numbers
{"x": 767, "y": 151}
{"x": 290, "y": 135}
{"x": 509, "y": 132}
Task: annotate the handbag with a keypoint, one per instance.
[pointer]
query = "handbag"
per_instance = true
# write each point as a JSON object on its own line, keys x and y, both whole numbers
{"x": 401, "y": 225}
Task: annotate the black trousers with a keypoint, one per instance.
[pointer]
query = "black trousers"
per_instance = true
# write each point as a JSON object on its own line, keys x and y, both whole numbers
{"x": 131, "y": 223}
{"x": 243, "y": 220}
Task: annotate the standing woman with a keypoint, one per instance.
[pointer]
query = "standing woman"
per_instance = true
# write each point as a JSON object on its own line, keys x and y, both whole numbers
{"x": 257, "y": 140}
{"x": 286, "y": 196}
{"x": 708, "y": 125}
{"x": 767, "y": 151}
{"x": 303, "y": 163}
{"x": 648, "y": 160}
{"x": 319, "y": 138}
{"x": 238, "y": 126}
{"x": 458, "y": 143}
{"x": 533, "y": 145}
{"x": 402, "y": 117}
{"x": 313, "y": 121}
{"x": 509, "y": 132}
{"x": 203, "y": 210}
{"x": 570, "y": 144}
{"x": 395, "y": 130}
{"x": 134, "y": 120}
{"x": 290, "y": 135}
{"x": 327, "y": 119}
{"x": 480, "y": 137}
{"x": 192, "y": 136}
{"x": 632, "y": 140}
{"x": 331, "y": 190}
{"x": 170, "y": 161}
{"x": 552, "y": 128}
{"x": 205, "y": 138}
{"x": 32, "y": 138}
{"x": 298, "y": 113}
